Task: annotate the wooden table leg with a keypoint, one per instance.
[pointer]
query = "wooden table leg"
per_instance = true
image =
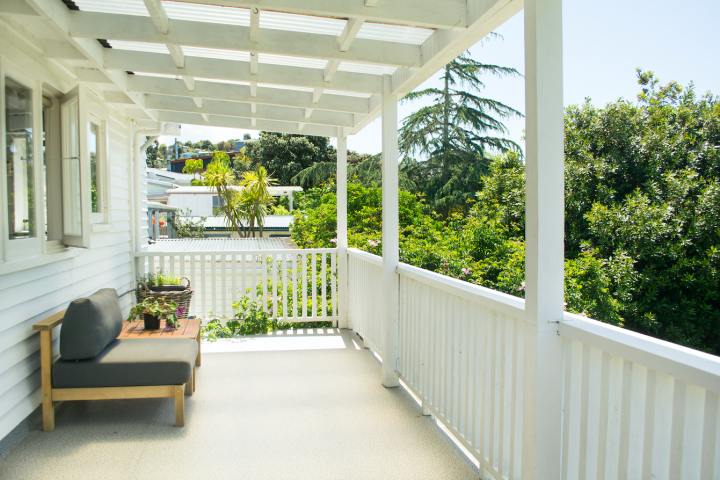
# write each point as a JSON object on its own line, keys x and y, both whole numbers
{"x": 179, "y": 406}
{"x": 189, "y": 389}
{"x": 198, "y": 360}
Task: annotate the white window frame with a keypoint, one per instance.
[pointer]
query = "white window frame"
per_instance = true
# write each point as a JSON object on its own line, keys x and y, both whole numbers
{"x": 26, "y": 246}
{"x": 102, "y": 215}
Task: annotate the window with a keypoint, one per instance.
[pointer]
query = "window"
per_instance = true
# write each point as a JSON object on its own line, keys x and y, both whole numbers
{"x": 21, "y": 180}
{"x": 96, "y": 157}
{"x": 22, "y": 222}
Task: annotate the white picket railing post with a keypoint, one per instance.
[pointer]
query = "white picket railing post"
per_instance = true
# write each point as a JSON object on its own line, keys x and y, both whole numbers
{"x": 544, "y": 241}
{"x": 342, "y": 242}
{"x": 390, "y": 235}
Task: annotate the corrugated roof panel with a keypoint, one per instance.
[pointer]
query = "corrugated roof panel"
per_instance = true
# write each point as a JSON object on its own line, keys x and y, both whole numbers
{"x": 217, "y": 244}
{"x": 208, "y": 13}
{"x": 301, "y": 23}
{"x": 394, "y": 33}
{"x": 291, "y": 61}
{"x": 366, "y": 68}
{"x": 139, "y": 46}
{"x": 125, "y": 7}
{"x": 216, "y": 53}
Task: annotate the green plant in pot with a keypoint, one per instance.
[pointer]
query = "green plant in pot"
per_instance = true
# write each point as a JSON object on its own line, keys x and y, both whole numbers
{"x": 153, "y": 309}
{"x": 162, "y": 281}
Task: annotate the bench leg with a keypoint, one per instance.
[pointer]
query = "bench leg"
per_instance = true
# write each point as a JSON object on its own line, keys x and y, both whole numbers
{"x": 46, "y": 380}
{"x": 190, "y": 385}
{"x": 179, "y": 406}
{"x": 198, "y": 360}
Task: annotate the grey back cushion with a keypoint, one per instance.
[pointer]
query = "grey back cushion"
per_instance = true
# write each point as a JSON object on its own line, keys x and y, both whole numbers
{"x": 90, "y": 324}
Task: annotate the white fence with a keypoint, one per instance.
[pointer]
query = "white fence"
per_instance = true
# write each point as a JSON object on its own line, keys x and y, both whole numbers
{"x": 299, "y": 285}
{"x": 365, "y": 283}
{"x": 634, "y": 407}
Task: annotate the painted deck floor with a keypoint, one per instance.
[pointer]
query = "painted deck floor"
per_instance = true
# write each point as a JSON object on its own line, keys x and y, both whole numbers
{"x": 305, "y": 406}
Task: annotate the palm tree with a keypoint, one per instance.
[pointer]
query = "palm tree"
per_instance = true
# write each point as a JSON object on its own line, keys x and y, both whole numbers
{"x": 256, "y": 198}
{"x": 219, "y": 176}
{"x": 456, "y": 131}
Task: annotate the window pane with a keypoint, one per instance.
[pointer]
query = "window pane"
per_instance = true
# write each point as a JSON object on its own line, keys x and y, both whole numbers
{"x": 71, "y": 169}
{"x": 93, "y": 138}
{"x": 19, "y": 158}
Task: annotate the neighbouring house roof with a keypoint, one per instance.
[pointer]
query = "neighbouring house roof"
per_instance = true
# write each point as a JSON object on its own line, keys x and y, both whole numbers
{"x": 274, "y": 191}
{"x": 218, "y": 244}
{"x": 159, "y": 174}
{"x": 272, "y": 223}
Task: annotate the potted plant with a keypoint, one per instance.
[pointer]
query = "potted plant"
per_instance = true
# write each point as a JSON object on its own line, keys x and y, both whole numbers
{"x": 153, "y": 309}
{"x": 161, "y": 281}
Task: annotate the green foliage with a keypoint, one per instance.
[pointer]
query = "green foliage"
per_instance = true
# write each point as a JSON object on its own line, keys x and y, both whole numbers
{"x": 193, "y": 166}
{"x": 186, "y": 226}
{"x": 160, "y": 277}
{"x": 157, "y": 307}
{"x": 285, "y": 155}
{"x": 455, "y": 134}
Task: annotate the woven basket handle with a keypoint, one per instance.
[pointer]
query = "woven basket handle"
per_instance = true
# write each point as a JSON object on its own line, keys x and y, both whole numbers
{"x": 143, "y": 284}
{"x": 188, "y": 280}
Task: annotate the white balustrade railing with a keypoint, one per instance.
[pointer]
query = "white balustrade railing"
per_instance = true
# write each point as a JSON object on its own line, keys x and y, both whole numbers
{"x": 365, "y": 284}
{"x": 461, "y": 352}
{"x": 637, "y": 407}
{"x": 299, "y": 285}
{"x": 633, "y": 406}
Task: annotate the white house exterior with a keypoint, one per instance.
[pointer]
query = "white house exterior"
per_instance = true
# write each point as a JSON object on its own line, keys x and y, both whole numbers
{"x": 202, "y": 200}
{"x": 529, "y": 391}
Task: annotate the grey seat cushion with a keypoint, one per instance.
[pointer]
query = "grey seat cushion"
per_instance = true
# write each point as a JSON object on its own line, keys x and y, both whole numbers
{"x": 90, "y": 324}
{"x": 130, "y": 362}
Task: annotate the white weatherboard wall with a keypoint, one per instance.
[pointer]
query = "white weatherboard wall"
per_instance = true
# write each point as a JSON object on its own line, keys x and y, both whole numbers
{"x": 34, "y": 287}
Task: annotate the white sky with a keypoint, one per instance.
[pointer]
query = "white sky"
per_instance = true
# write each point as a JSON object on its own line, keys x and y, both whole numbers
{"x": 603, "y": 44}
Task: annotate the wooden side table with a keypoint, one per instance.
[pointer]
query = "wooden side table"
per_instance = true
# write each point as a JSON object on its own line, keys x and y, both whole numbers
{"x": 188, "y": 328}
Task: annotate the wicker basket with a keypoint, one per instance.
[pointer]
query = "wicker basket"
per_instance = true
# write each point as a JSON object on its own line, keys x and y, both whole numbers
{"x": 181, "y": 298}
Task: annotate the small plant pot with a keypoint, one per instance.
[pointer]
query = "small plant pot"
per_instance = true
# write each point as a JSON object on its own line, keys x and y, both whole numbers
{"x": 151, "y": 322}
{"x": 168, "y": 288}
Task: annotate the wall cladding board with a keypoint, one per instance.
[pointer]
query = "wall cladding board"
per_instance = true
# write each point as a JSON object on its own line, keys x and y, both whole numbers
{"x": 30, "y": 295}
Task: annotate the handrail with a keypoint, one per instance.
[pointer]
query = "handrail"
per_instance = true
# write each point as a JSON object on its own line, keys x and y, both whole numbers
{"x": 365, "y": 256}
{"x": 289, "y": 251}
{"x": 501, "y": 302}
{"x": 686, "y": 364}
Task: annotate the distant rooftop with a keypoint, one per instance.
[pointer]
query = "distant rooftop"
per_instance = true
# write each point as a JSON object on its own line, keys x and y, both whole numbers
{"x": 275, "y": 191}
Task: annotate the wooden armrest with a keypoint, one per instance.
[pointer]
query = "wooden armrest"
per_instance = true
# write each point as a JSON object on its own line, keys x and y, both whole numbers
{"x": 50, "y": 322}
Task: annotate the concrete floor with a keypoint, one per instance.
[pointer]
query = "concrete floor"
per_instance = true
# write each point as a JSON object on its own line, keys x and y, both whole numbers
{"x": 306, "y": 406}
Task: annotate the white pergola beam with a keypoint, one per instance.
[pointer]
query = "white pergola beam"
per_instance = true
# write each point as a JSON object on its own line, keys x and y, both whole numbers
{"x": 198, "y": 101}
{"x": 117, "y": 97}
{"x": 483, "y": 16}
{"x": 308, "y": 112}
{"x": 253, "y": 63}
{"x": 232, "y": 37}
{"x": 542, "y": 445}
{"x": 241, "y": 93}
{"x": 233, "y": 109}
{"x": 177, "y": 55}
{"x": 189, "y": 82}
{"x": 158, "y": 15}
{"x": 233, "y": 70}
{"x": 370, "y": 3}
{"x": 352, "y": 27}
{"x": 57, "y": 17}
{"x": 390, "y": 236}
{"x": 330, "y": 70}
{"x": 449, "y": 14}
{"x": 254, "y": 25}
{"x": 317, "y": 93}
{"x": 16, "y": 7}
{"x": 246, "y": 123}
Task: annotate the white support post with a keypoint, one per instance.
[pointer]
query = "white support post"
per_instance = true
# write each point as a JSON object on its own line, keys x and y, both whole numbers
{"x": 290, "y": 201}
{"x": 342, "y": 225}
{"x": 390, "y": 235}
{"x": 544, "y": 241}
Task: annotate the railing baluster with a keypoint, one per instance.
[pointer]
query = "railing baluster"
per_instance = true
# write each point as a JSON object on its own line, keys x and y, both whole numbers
{"x": 304, "y": 285}
{"x": 233, "y": 279}
{"x": 202, "y": 286}
{"x": 243, "y": 274}
{"x": 223, "y": 283}
{"x": 333, "y": 285}
{"x": 294, "y": 266}
{"x": 264, "y": 295}
{"x": 284, "y": 273}
{"x": 313, "y": 258}
{"x": 213, "y": 284}
{"x": 323, "y": 279}
{"x": 194, "y": 302}
{"x": 253, "y": 286}
{"x": 275, "y": 303}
